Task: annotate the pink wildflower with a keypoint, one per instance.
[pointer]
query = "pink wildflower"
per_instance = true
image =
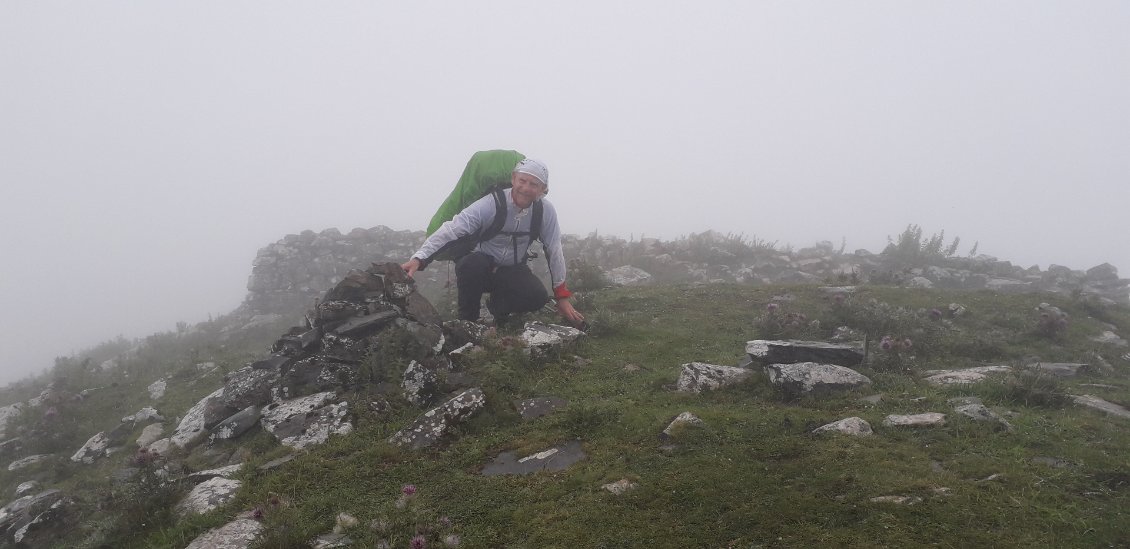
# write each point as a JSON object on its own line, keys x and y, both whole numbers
{"x": 408, "y": 490}
{"x": 418, "y": 542}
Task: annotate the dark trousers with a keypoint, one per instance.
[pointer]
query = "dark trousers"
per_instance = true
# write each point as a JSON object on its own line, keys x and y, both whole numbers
{"x": 512, "y": 289}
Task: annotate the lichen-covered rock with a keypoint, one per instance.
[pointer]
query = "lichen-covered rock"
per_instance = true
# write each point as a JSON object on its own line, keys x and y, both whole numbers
{"x": 237, "y": 534}
{"x": 94, "y": 448}
{"x": 6, "y": 414}
{"x": 249, "y": 386}
{"x": 308, "y": 420}
{"x": 627, "y": 275}
{"x": 419, "y": 383}
{"x": 150, "y": 434}
{"x": 620, "y": 487}
{"x": 928, "y": 419}
{"x": 191, "y": 429}
{"x": 542, "y": 338}
{"x": 28, "y": 461}
{"x": 157, "y": 389}
{"x": 208, "y": 495}
{"x": 458, "y": 333}
{"x": 430, "y": 427}
{"x": 681, "y": 421}
{"x": 979, "y": 412}
{"x": 963, "y": 376}
{"x": 237, "y": 424}
{"x": 143, "y": 415}
{"x": 697, "y": 377}
{"x": 853, "y": 426}
{"x": 811, "y": 377}
{"x": 26, "y": 488}
{"x": 791, "y": 351}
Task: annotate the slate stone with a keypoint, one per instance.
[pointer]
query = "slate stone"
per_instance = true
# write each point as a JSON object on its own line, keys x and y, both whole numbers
{"x": 1061, "y": 369}
{"x": 419, "y": 383}
{"x": 1095, "y": 403}
{"x": 307, "y": 421}
{"x": 979, "y": 412}
{"x": 150, "y": 434}
{"x": 329, "y": 312}
{"x": 627, "y": 275}
{"x": 928, "y": 419}
{"x": 279, "y": 462}
{"x": 94, "y": 448}
{"x": 533, "y": 408}
{"x": 421, "y": 310}
{"x": 237, "y": 534}
{"x": 157, "y": 389}
{"x": 191, "y": 428}
{"x": 789, "y": 352}
{"x": 331, "y": 541}
{"x": 26, "y": 488}
{"x": 118, "y": 435}
{"x": 696, "y": 377}
{"x": 274, "y": 362}
{"x": 47, "y": 525}
{"x": 428, "y": 336}
{"x": 680, "y": 422}
{"x": 554, "y": 459}
{"x": 365, "y": 325}
{"x": 146, "y": 414}
{"x": 853, "y": 426}
{"x": 216, "y": 410}
{"x": 316, "y": 374}
{"x": 458, "y": 333}
{"x": 209, "y": 474}
{"x": 963, "y": 376}
{"x": 620, "y": 487}
{"x": 249, "y": 386}
{"x": 1110, "y": 338}
{"x": 811, "y": 377}
{"x": 541, "y": 338}
{"x": 298, "y": 344}
{"x": 434, "y": 424}
{"x": 208, "y": 495}
{"x": 237, "y": 424}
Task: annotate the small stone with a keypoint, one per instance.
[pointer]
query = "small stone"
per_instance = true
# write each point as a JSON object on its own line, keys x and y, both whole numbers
{"x": 853, "y": 426}
{"x": 344, "y": 522}
{"x": 620, "y": 487}
{"x": 682, "y": 421}
{"x": 208, "y": 495}
{"x": 697, "y": 377}
{"x": 929, "y": 419}
{"x": 897, "y": 500}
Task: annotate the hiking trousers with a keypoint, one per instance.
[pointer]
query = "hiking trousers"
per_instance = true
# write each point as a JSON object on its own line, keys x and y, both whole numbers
{"x": 512, "y": 289}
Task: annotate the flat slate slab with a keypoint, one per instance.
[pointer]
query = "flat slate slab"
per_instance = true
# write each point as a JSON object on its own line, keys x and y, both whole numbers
{"x": 963, "y": 376}
{"x": 1062, "y": 369}
{"x": 812, "y": 377}
{"x": 362, "y": 324}
{"x": 430, "y": 427}
{"x": 1095, "y": 403}
{"x": 791, "y": 351}
{"x": 854, "y": 426}
{"x": 928, "y": 419}
{"x": 697, "y": 377}
{"x": 554, "y": 459}
{"x": 237, "y": 534}
{"x": 533, "y": 408}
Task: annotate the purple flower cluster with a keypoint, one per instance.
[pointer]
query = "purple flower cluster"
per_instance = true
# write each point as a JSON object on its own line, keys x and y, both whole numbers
{"x": 889, "y": 343}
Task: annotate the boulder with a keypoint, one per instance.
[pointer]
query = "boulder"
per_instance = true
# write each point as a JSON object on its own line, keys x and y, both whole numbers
{"x": 236, "y": 424}
{"x": 928, "y": 419}
{"x": 557, "y": 458}
{"x": 94, "y": 448}
{"x": 249, "y": 386}
{"x": 316, "y": 374}
{"x": 853, "y": 426}
{"x": 697, "y": 377}
{"x": 26, "y": 488}
{"x": 812, "y": 377}
{"x": 979, "y": 412}
{"x": 1095, "y": 403}
{"x": 307, "y": 421}
{"x": 150, "y": 434}
{"x": 627, "y": 275}
{"x": 47, "y": 525}
{"x": 157, "y": 389}
{"x": 430, "y": 427}
{"x": 28, "y": 461}
{"x": 208, "y": 495}
{"x": 788, "y": 352}
{"x": 191, "y": 428}
{"x": 146, "y": 414}
{"x": 419, "y": 383}
{"x": 1109, "y": 338}
{"x": 543, "y": 338}
{"x": 237, "y": 534}
{"x": 459, "y": 333}
{"x": 6, "y": 414}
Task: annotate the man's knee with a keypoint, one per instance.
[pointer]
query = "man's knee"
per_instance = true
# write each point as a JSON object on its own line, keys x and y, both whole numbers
{"x": 475, "y": 266}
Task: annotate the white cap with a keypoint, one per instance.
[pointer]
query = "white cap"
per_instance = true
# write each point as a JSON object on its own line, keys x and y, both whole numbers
{"x": 535, "y": 168}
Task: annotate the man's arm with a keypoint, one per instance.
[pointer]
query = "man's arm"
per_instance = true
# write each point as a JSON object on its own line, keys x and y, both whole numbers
{"x": 469, "y": 221}
{"x": 551, "y": 241}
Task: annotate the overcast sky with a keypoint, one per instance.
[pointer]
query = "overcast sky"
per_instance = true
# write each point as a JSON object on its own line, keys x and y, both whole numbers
{"x": 149, "y": 149}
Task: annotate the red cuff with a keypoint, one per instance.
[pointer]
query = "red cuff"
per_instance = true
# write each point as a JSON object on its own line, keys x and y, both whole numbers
{"x": 561, "y": 292}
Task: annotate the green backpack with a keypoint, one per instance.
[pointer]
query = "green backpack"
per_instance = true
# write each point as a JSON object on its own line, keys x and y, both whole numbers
{"x": 488, "y": 172}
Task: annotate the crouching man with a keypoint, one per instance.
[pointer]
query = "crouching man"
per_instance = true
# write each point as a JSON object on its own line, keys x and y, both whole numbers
{"x": 497, "y": 264}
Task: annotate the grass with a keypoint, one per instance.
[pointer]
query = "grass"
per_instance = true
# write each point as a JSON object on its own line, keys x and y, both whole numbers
{"x": 753, "y": 476}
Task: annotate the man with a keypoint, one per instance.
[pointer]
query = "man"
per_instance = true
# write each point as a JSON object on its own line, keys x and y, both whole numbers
{"x": 498, "y": 265}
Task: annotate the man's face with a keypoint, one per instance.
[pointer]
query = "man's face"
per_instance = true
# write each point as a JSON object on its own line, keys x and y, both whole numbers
{"x": 527, "y": 189}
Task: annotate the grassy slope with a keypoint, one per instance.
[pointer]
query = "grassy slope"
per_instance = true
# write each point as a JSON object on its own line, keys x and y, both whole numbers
{"x": 754, "y": 476}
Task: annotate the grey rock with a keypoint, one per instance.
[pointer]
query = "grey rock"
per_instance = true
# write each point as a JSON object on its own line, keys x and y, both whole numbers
{"x": 47, "y": 524}
{"x": 811, "y": 377}
{"x": 223, "y": 472}
{"x": 1095, "y": 403}
{"x": 249, "y": 386}
{"x": 419, "y": 383}
{"x": 537, "y": 407}
{"x": 331, "y": 541}
{"x": 853, "y": 426}
{"x": 421, "y": 310}
{"x": 430, "y": 427}
{"x": 963, "y": 376}
{"x": 1061, "y": 369}
{"x": 307, "y": 421}
{"x": 294, "y": 344}
{"x": 94, "y": 448}
{"x": 920, "y": 282}
{"x": 150, "y": 434}
{"x": 897, "y": 500}
{"x": 237, "y": 424}
{"x": 620, "y": 487}
{"x": 1109, "y": 338}
{"x": 208, "y": 495}
{"x": 681, "y": 421}
{"x": 697, "y": 377}
{"x": 191, "y": 429}
{"x": 542, "y": 338}
{"x": 554, "y": 459}
{"x": 365, "y": 325}
{"x": 788, "y": 352}
{"x": 237, "y": 534}
{"x": 872, "y": 399}
{"x": 458, "y": 333}
{"x": 979, "y": 412}
{"x": 428, "y": 336}
{"x": 26, "y": 488}
{"x": 279, "y": 462}
{"x": 928, "y": 419}
{"x": 316, "y": 374}
{"x": 11, "y": 447}
{"x": 276, "y": 362}
{"x": 627, "y": 275}
{"x": 146, "y": 414}
{"x": 162, "y": 446}
{"x": 6, "y": 414}
{"x": 22, "y": 510}
{"x": 1055, "y": 463}
{"x": 157, "y": 389}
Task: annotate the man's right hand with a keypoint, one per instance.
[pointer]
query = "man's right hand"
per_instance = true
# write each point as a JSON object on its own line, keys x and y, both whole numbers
{"x": 411, "y": 266}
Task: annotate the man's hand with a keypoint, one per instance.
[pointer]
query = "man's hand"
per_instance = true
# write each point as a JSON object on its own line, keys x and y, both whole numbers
{"x": 566, "y": 310}
{"x": 411, "y": 266}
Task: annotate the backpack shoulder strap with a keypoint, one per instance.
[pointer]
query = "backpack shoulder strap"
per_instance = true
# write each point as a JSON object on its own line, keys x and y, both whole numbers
{"x": 499, "y": 220}
{"x": 535, "y": 221}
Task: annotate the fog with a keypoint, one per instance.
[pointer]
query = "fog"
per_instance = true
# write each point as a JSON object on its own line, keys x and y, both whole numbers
{"x": 149, "y": 149}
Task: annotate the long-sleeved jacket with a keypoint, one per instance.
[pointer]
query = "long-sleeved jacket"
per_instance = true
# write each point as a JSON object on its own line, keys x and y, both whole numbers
{"x": 506, "y": 249}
